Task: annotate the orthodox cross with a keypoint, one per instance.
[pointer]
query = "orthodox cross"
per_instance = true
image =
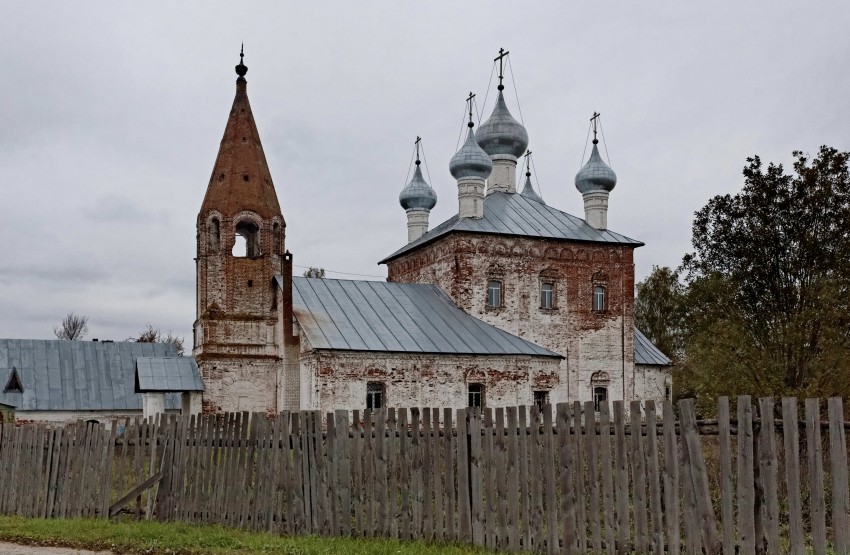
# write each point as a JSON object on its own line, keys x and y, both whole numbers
{"x": 501, "y": 59}
{"x": 527, "y": 162}
{"x": 416, "y": 145}
{"x": 469, "y": 102}
{"x": 595, "y": 121}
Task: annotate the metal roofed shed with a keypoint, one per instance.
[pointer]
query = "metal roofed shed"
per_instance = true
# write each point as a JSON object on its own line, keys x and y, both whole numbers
{"x": 396, "y": 317}
{"x": 647, "y": 353}
{"x": 516, "y": 214}
{"x": 167, "y": 374}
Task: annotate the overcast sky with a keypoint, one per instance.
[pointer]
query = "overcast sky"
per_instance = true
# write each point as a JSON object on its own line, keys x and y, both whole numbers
{"x": 111, "y": 116}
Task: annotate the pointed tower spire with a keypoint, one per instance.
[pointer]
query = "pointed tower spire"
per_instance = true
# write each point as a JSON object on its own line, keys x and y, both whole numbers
{"x": 595, "y": 181}
{"x": 417, "y": 198}
{"x": 528, "y": 191}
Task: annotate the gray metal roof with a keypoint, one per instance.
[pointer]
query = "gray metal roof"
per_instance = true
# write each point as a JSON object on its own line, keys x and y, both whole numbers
{"x": 396, "y": 317}
{"x": 596, "y": 175}
{"x": 417, "y": 193}
{"x": 501, "y": 133}
{"x": 167, "y": 374}
{"x": 77, "y": 375}
{"x": 470, "y": 160}
{"x": 647, "y": 353}
{"x": 515, "y": 214}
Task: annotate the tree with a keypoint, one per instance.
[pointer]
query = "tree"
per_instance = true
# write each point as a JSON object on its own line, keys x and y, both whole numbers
{"x": 314, "y": 272}
{"x": 73, "y": 327}
{"x": 659, "y": 306}
{"x": 152, "y": 334}
{"x": 768, "y": 283}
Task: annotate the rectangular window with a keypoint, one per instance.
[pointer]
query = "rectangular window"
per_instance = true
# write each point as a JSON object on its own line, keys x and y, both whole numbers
{"x": 600, "y": 397}
{"x": 541, "y": 399}
{"x": 598, "y": 298}
{"x": 547, "y": 295}
{"x": 374, "y": 395}
{"x": 494, "y": 294}
{"x": 476, "y": 395}
{"x": 668, "y": 392}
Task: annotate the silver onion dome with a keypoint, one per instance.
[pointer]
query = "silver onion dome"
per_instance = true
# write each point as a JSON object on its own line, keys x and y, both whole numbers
{"x": 417, "y": 193}
{"x": 529, "y": 192}
{"x": 501, "y": 133}
{"x": 470, "y": 160}
{"x": 596, "y": 175}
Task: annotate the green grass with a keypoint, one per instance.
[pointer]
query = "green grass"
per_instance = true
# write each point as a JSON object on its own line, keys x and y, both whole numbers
{"x": 154, "y": 538}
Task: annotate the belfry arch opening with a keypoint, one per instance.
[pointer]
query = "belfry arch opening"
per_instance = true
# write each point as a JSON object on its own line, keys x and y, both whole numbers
{"x": 247, "y": 243}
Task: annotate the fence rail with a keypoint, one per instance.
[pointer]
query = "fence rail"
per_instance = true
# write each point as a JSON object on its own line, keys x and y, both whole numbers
{"x": 565, "y": 479}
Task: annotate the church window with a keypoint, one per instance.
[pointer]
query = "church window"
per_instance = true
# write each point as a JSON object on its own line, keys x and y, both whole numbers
{"x": 14, "y": 385}
{"x": 598, "y": 298}
{"x": 541, "y": 399}
{"x": 247, "y": 242}
{"x": 600, "y": 397}
{"x": 668, "y": 392}
{"x": 494, "y": 294}
{"x": 375, "y": 395}
{"x": 547, "y": 295}
{"x": 215, "y": 234}
{"x": 476, "y": 395}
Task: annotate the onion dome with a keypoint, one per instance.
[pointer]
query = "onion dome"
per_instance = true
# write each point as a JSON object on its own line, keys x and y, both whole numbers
{"x": 529, "y": 192}
{"x": 417, "y": 193}
{"x": 596, "y": 175}
{"x": 470, "y": 160}
{"x": 501, "y": 133}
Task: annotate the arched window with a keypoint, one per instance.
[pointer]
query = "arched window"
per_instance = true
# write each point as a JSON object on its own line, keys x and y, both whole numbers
{"x": 598, "y": 298}
{"x": 215, "y": 235}
{"x": 247, "y": 242}
{"x": 599, "y": 385}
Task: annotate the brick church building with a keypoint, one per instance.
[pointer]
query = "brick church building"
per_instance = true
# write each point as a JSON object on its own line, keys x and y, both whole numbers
{"x": 510, "y": 301}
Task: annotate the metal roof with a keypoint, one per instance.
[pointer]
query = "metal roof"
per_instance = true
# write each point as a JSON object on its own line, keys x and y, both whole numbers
{"x": 167, "y": 374}
{"x": 647, "y": 353}
{"x": 516, "y": 214}
{"x": 77, "y": 375}
{"x": 396, "y": 317}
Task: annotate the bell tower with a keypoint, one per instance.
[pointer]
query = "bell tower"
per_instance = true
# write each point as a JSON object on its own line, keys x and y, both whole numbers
{"x": 238, "y": 330}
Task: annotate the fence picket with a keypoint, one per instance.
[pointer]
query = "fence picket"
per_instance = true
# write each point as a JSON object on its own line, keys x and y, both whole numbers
{"x": 838, "y": 471}
{"x": 621, "y": 477}
{"x": 817, "y": 503}
{"x": 512, "y": 523}
{"x": 638, "y": 460}
{"x": 607, "y": 477}
{"x": 727, "y": 514}
{"x": 746, "y": 485}
{"x": 769, "y": 474}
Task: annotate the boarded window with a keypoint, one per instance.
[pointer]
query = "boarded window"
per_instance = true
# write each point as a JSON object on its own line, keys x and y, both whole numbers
{"x": 374, "y": 395}
{"x": 476, "y": 395}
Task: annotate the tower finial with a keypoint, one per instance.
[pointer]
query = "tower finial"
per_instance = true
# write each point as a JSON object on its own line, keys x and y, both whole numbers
{"x": 527, "y": 163}
{"x": 501, "y": 59}
{"x": 595, "y": 121}
{"x": 416, "y": 144}
{"x": 241, "y": 69}
{"x": 469, "y": 102}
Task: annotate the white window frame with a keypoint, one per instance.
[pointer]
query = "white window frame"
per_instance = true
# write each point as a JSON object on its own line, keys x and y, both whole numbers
{"x": 547, "y": 294}
{"x": 494, "y": 293}
{"x": 599, "y": 298}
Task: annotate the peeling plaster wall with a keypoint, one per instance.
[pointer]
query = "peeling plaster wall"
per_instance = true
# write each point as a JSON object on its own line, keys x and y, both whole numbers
{"x": 240, "y": 384}
{"x": 337, "y": 379}
{"x": 462, "y": 264}
{"x": 651, "y": 382}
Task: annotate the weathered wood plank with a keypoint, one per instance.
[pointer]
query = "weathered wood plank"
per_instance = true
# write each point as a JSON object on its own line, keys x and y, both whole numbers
{"x": 427, "y": 480}
{"x": 501, "y": 500}
{"x": 437, "y": 472}
{"x": 549, "y": 475}
{"x": 638, "y": 459}
{"x": 538, "y": 520}
{"x": 580, "y": 486}
{"x": 524, "y": 522}
{"x": 693, "y": 538}
{"x": 464, "y": 512}
{"x": 769, "y": 474}
{"x": 671, "y": 481}
{"x": 591, "y": 447}
{"x": 450, "y": 462}
{"x": 746, "y": 478}
{"x": 607, "y": 477}
{"x": 566, "y": 491}
{"x": 476, "y": 477}
{"x": 357, "y": 480}
{"x": 489, "y": 478}
{"x": 791, "y": 445}
{"x": 817, "y": 504}
{"x": 727, "y": 513}
{"x": 621, "y": 477}
{"x": 654, "y": 476}
{"x": 393, "y": 469}
{"x": 838, "y": 472}
{"x": 405, "y": 478}
{"x": 344, "y": 471}
{"x": 699, "y": 477}
{"x": 381, "y": 445}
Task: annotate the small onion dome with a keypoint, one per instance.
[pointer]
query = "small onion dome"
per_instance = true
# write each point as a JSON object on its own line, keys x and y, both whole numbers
{"x": 417, "y": 193}
{"x": 501, "y": 133}
{"x": 595, "y": 175}
{"x": 529, "y": 192}
{"x": 470, "y": 160}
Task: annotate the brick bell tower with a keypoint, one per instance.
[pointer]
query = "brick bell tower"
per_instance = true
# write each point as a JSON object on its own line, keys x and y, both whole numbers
{"x": 238, "y": 331}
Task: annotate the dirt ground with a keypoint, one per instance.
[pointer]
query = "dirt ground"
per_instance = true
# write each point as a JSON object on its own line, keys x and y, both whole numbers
{"x": 14, "y": 549}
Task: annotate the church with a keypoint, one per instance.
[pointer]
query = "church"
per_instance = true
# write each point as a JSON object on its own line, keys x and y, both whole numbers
{"x": 509, "y": 302}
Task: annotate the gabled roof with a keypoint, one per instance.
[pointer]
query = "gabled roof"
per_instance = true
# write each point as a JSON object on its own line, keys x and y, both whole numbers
{"x": 516, "y": 214}
{"x": 77, "y": 375}
{"x": 353, "y": 315}
{"x": 647, "y": 353}
{"x": 167, "y": 374}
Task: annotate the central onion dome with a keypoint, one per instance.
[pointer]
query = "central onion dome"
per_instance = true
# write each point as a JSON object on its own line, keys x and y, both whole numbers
{"x": 501, "y": 133}
{"x": 529, "y": 192}
{"x": 417, "y": 193}
{"x": 596, "y": 175}
{"x": 470, "y": 160}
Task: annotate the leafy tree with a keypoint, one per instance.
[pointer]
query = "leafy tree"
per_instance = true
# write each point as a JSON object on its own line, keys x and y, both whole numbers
{"x": 314, "y": 272}
{"x": 152, "y": 334}
{"x": 659, "y": 306}
{"x": 768, "y": 283}
{"x": 72, "y": 328}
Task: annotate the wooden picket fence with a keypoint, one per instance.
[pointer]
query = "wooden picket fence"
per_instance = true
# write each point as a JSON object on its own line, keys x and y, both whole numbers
{"x": 567, "y": 480}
